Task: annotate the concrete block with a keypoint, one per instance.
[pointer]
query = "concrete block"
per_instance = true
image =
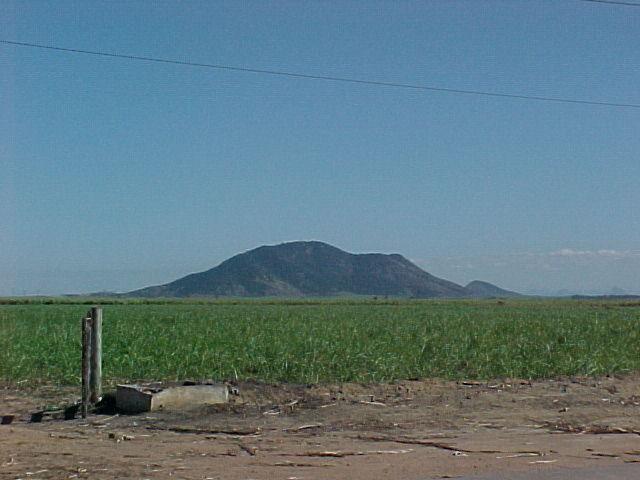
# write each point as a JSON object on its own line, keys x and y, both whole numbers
{"x": 141, "y": 398}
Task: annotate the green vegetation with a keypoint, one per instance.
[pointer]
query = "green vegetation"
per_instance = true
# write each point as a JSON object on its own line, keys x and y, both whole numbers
{"x": 324, "y": 341}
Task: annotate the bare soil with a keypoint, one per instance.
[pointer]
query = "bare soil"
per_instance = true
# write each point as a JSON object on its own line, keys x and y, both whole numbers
{"x": 407, "y": 430}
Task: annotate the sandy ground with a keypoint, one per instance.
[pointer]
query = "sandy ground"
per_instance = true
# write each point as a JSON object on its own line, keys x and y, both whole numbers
{"x": 406, "y": 430}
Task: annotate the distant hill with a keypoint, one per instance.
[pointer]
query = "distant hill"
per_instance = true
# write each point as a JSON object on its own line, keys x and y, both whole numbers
{"x": 299, "y": 269}
{"x": 605, "y": 297}
{"x": 478, "y": 288}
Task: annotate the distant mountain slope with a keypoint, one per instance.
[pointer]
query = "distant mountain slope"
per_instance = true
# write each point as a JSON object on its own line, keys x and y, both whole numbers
{"x": 481, "y": 289}
{"x": 299, "y": 269}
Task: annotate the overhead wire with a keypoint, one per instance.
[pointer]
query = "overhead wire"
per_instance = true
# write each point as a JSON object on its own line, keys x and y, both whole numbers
{"x": 320, "y": 77}
{"x": 613, "y": 2}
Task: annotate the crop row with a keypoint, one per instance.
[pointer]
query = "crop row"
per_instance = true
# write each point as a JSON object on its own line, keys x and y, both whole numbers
{"x": 318, "y": 342}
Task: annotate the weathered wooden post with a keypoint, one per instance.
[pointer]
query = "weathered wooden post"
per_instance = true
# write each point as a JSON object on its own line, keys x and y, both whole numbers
{"x": 95, "y": 378}
{"x": 86, "y": 363}
{"x": 91, "y": 359}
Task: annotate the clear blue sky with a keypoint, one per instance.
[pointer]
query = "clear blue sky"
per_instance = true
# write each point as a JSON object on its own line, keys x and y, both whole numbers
{"x": 117, "y": 174}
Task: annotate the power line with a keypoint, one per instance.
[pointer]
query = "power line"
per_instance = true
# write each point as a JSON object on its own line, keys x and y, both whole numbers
{"x": 321, "y": 77}
{"x": 614, "y": 2}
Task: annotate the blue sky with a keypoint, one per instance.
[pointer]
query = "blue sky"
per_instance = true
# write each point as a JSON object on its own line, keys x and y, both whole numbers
{"x": 117, "y": 174}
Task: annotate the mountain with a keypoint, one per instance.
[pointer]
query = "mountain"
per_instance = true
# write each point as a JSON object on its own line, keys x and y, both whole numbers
{"x": 481, "y": 289}
{"x": 299, "y": 269}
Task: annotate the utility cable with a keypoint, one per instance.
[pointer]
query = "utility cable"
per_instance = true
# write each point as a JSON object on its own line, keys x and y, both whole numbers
{"x": 614, "y": 2}
{"x": 321, "y": 77}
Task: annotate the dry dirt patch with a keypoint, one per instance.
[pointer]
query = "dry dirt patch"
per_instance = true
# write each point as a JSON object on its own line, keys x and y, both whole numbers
{"x": 409, "y": 429}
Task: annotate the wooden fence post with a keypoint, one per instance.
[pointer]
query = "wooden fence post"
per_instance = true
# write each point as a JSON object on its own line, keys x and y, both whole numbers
{"x": 86, "y": 363}
{"x": 95, "y": 377}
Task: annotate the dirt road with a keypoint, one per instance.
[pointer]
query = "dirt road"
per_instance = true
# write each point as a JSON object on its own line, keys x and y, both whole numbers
{"x": 616, "y": 472}
{"x": 407, "y": 430}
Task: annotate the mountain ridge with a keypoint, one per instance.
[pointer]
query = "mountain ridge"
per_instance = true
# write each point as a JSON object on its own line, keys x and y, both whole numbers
{"x": 483, "y": 289}
{"x": 311, "y": 269}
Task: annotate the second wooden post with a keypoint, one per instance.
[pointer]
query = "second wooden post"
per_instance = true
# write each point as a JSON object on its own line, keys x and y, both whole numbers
{"x": 95, "y": 379}
{"x": 86, "y": 364}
